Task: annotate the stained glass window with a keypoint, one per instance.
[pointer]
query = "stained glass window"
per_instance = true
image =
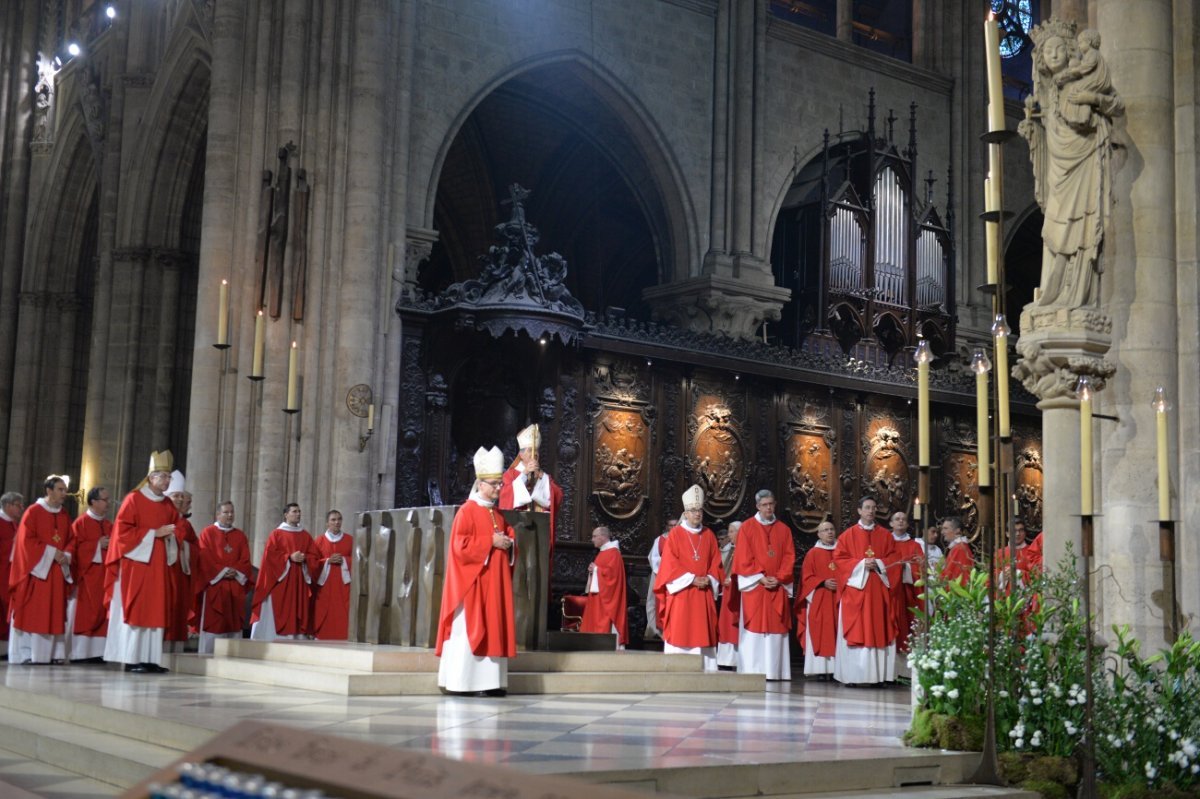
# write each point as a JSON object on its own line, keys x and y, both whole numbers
{"x": 1016, "y": 19}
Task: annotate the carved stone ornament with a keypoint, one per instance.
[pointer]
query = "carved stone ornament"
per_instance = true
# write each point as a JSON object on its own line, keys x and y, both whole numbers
{"x": 1029, "y": 486}
{"x": 1069, "y": 127}
{"x": 619, "y": 462}
{"x": 711, "y": 304}
{"x": 885, "y": 474}
{"x": 517, "y": 290}
{"x": 1059, "y": 345}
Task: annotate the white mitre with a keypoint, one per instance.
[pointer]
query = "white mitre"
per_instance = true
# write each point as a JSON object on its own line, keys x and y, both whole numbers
{"x": 693, "y": 498}
{"x": 529, "y": 438}
{"x": 178, "y": 483}
{"x": 489, "y": 464}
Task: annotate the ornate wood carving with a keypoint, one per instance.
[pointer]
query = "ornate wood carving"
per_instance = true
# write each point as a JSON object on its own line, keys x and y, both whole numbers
{"x": 717, "y": 456}
{"x": 1029, "y": 484}
{"x": 568, "y": 452}
{"x": 409, "y": 469}
{"x": 807, "y": 443}
{"x": 962, "y": 490}
{"x": 885, "y": 474}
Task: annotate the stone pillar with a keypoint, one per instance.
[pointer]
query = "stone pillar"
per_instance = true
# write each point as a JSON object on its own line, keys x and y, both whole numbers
{"x": 735, "y": 290}
{"x": 1139, "y": 291}
{"x": 845, "y": 20}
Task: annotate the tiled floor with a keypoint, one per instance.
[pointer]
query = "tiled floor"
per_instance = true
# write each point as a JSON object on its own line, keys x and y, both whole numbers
{"x": 558, "y": 733}
{"x": 44, "y": 780}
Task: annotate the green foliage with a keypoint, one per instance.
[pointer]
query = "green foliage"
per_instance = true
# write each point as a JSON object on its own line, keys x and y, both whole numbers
{"x": 1146, "y": 720}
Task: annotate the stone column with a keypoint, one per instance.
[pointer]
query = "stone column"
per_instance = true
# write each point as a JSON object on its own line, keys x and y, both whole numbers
{"x": 845, "y": 20}
{"x": 1139, "y": 292}
{"x": 735, "y": 290}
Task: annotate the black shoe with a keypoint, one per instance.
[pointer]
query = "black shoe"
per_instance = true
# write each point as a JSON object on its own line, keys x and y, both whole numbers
{"x": 494, "y": 692}
{"x": 136, "y": 668}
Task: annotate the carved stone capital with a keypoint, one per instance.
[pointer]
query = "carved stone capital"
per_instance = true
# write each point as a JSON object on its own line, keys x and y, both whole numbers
{"x": 711, "y": 304}
{"x": 418, "y": 245}
{"x": 137, "y": 80}
{"x": 42, "y": 148}
{"x": 1057, "y": 347}
{"x": 130, "y": 254}
{"x": 171, "y": 258}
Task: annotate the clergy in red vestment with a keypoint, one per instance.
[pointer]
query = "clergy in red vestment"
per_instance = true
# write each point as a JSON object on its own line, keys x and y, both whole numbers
{"x": 527, "y": 487}
{"x": 959, "y": 560}
{"x": 181, "y": 594}
{"x": 139, "y": 559}
{"x": 87, "y": 612}
{"x": 477, "y": 632}
{"x": 654, "y": 610}
{"x": 222, "y": 570}
{"x": 764, "y": 566}
{"x": 39, "y": 579}
{"x": 12, "y": 505}
{"x": 816, "y": 605}
{"x": 282, "y": 594}
{"x": 729, "y": 606}
{"x": 866, "y": 645}
{"x": 1034, "y": 555}
{"x": 1003, "y": 566}
{"x": 605, "y": 611}
{"x": 689, "y": 579}
{"x": 903, "y": 574}
{"x": 331, "y": 589}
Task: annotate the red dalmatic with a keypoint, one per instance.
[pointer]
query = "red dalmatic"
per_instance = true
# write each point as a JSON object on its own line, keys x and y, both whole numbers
{"x": 867, "y": 618}
{"x": 283, "y": 580}
{"x": 91, "y": 611}
{"x": 607, "y": 608}
{"x": 331, "y": 599}
{"x": 222, "y": 604}
{"x": 816, "y": 605}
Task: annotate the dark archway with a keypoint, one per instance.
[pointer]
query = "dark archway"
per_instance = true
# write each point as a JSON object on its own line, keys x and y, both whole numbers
{"x": 1023, "y": 266}
{"x": 593, "y": 195}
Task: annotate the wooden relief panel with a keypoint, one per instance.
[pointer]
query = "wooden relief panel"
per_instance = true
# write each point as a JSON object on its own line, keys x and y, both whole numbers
{"x": 1029, "y": 485}
{"x": 808, "y": 448}
{"x": 718, "y": 450}
{"x": 620, "y": 445}
{"x": 885, "y": 473}
{"x": 962, "y": 490}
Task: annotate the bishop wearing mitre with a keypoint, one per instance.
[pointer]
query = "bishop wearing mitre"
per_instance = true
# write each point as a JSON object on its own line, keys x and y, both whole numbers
{"x": 526, "y": 486}
{"x": 689, "y": 579}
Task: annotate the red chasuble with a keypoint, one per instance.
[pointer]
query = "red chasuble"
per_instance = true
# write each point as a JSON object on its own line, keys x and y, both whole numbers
{"x": 479, "y": 577}
{"x": 8, "y": 534}
{"x": 690, "y": 615}
{"x": 818, "y": 615}
{"x": 959, "y": 562}
{"x": 766, "y": 549}
{"x": 181, "y": 593}
{"x": 223, "y": 604}
{"x": 866, "y": 612}
{"x": 608, "y": 607}
{"x": 729, "y": 612}
{"x": 39, "y": 606}
{"x": 906, "y": 596}
{"x": 331, "y": 601}
{"x": 505, "y": 502}
{"x": 1033, "y": 554}
{"x": 290, "y": 597}
{"x": 144, "y": 586}
{"x": 91, "y": 611}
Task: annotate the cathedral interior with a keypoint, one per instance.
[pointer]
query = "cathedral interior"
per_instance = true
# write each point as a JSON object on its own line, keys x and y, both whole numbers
{"x": 744, "y": 215}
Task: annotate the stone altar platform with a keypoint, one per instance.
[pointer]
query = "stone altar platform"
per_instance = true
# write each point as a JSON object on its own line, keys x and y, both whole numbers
{"x": 354, "y": 669}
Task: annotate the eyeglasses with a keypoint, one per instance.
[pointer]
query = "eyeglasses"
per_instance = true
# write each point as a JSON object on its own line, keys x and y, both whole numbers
{"x": 495, "y": 483}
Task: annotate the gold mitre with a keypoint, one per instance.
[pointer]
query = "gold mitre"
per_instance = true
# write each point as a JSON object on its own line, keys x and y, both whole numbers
{"x": 693, "y": 498}
{"x": 159, "y": 462}
{"x": 489, "y": 464}
{"x": 530, "y": 438}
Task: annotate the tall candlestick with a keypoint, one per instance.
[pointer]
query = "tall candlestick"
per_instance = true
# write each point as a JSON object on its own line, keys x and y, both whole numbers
{"x": 992, "y": 230}
{"x": 371, "y": 416}
{"x": 1084, "y": 391}
{"x": 260, "y": 336}
{"x": 1161, "y": 406}
{"x": 923, "y": 356}
{"x": 1000, "y": 331}
{"x": 293, "y": 380}
{"x": 991, "y": 47}
{"x": 223, "y": 316}
{"x": 917, "y": 512}
{"x": 981, "y": 366}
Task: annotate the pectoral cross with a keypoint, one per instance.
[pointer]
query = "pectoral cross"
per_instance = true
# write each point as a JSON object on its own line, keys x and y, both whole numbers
{"x": 870, "y": 552}
{"x": 228, "y": 549}
{"x": 56, "y": 538}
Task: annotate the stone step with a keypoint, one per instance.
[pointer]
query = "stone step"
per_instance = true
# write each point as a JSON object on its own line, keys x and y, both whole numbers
{"x": 359, "y": 657}
{"x": 917, "y": 792}
{"x": 22, "y": 776}
{"x": 105, "y": 757}
{"x": 355, "y": 683}
{"x": 820, "y": 774}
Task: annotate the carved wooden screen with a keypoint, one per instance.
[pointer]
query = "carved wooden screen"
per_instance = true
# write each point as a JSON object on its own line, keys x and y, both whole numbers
{"x": 891, "y": 238}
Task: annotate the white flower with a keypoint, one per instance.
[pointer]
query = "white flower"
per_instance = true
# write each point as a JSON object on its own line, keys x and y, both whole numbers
{"x": 1070, "y": 727}
{"x": 952, "y": 693}
{"x": 1151, "y": 771}
{"x": 1174, "y": 736}
{"x": 1196, "y": 768}
{"x": 1034, "y": 690}
{"x": 950, "y": 675}
{"x": 1020, "y": 743}
{"x": 1037, "y": 700}
{"x": 1074, "y": 689}
{"x": 1003, "y": 694}
{"x": 1189, "y": 747}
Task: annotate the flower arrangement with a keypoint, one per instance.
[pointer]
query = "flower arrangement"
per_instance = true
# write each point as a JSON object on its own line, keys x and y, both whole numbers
{"x": 1148, "y": 730}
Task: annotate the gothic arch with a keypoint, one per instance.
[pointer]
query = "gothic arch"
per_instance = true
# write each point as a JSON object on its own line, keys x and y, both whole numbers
{"x": 784, "y": 177}
{"x": 62, "y": 208}
{"x": 677, "y": 231}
